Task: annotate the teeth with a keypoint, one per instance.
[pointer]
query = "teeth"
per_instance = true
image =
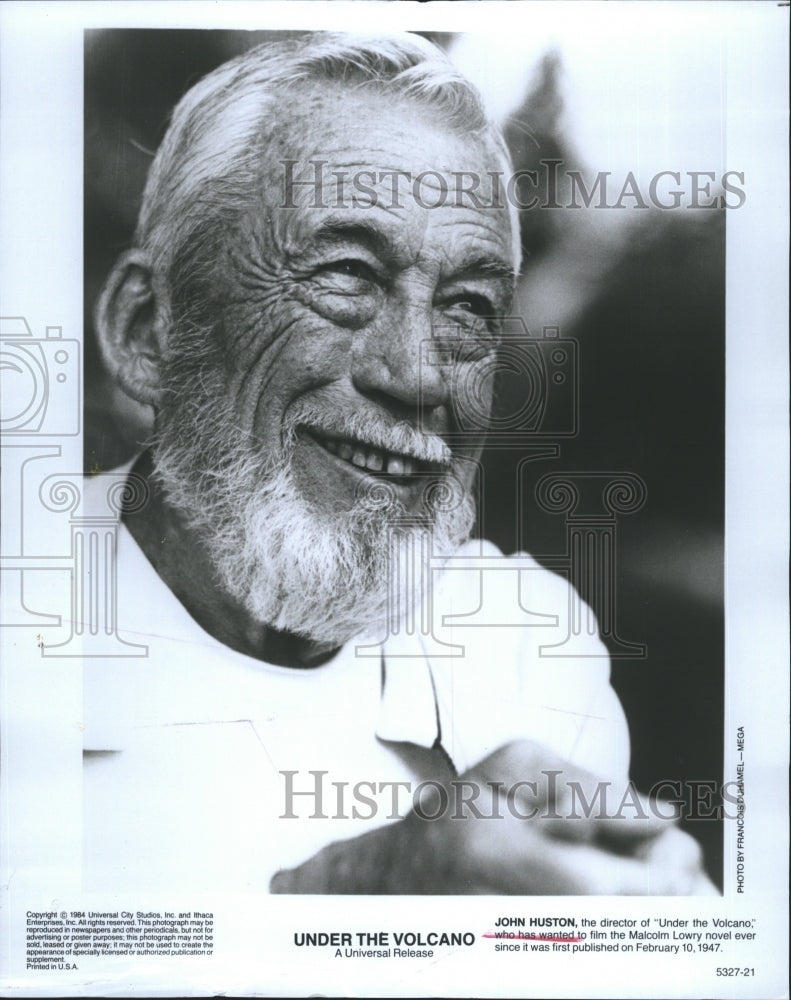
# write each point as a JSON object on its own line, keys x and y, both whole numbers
{"x": 370, "y": 458}
{"x": 395, "y": 466}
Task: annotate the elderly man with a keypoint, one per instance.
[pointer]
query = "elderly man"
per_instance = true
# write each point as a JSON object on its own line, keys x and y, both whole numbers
{"x": 322, "y": 211}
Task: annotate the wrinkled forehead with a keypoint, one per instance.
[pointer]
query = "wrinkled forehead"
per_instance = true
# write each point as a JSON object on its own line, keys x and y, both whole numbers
{"x": 367, "y": 152}
{"x": 320, "y": 116}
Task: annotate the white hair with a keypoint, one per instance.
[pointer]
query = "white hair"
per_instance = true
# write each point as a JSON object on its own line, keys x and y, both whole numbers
{"x": 219, "y": 128}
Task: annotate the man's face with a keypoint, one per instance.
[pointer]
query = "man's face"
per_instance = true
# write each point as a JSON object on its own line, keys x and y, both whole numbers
{"x": 334, "y": 308}
{"x": 317, "y": 388}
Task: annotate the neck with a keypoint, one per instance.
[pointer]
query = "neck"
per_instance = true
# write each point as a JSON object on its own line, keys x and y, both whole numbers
{"x": 182, "y": 562}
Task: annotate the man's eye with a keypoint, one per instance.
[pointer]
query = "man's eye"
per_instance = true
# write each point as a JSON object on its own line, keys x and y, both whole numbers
{"x": 350, "y": 268}
{"x": 347, "y": 291}
{"x": 475, "y": 315}
{"x": 475, "y": 305}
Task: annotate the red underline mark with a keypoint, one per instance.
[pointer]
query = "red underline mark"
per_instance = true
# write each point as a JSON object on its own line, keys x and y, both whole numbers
{"x": 531, "y": 937}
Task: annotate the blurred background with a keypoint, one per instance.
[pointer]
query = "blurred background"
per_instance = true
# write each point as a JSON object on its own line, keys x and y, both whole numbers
{"x": 640, "y": 291}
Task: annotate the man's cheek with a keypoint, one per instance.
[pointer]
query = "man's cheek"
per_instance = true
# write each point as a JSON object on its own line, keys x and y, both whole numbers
{"x": 308, "y": 352}
{"x": 256, "y": 322}
{"x": 472, "y": 395}
{"x": 257, "y": 333}
{"x": 303, "y": 354}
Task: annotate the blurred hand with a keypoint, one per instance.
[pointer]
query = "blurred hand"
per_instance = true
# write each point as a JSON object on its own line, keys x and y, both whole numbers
{"x": 520, "y": 822}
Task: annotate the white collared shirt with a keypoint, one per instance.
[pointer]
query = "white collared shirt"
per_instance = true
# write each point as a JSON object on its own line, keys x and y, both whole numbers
{"x": 191, "y": 750}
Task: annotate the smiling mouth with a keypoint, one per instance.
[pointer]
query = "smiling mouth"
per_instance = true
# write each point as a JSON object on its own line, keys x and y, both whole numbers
{"x": 369, "y": 459}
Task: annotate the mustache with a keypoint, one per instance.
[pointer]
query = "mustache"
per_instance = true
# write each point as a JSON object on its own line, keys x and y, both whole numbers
{"x": 375, "y": 429}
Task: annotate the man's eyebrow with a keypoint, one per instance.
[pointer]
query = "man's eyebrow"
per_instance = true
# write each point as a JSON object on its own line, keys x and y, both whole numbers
{"x": 485, "y": 266}
{"x": 338, "y": 231}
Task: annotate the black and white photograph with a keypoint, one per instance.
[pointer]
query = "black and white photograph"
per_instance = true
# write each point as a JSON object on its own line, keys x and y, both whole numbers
{"x": 395, "y": 499}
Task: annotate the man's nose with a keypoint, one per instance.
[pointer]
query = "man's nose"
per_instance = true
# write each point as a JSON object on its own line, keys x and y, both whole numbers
{"x": 393, "y": 359}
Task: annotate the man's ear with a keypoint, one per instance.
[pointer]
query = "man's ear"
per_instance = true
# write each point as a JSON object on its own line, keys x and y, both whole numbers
{"x": 131, "y": 324}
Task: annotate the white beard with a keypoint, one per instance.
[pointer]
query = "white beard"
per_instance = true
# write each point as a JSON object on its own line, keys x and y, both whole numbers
{"x": 325, "y": 580}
